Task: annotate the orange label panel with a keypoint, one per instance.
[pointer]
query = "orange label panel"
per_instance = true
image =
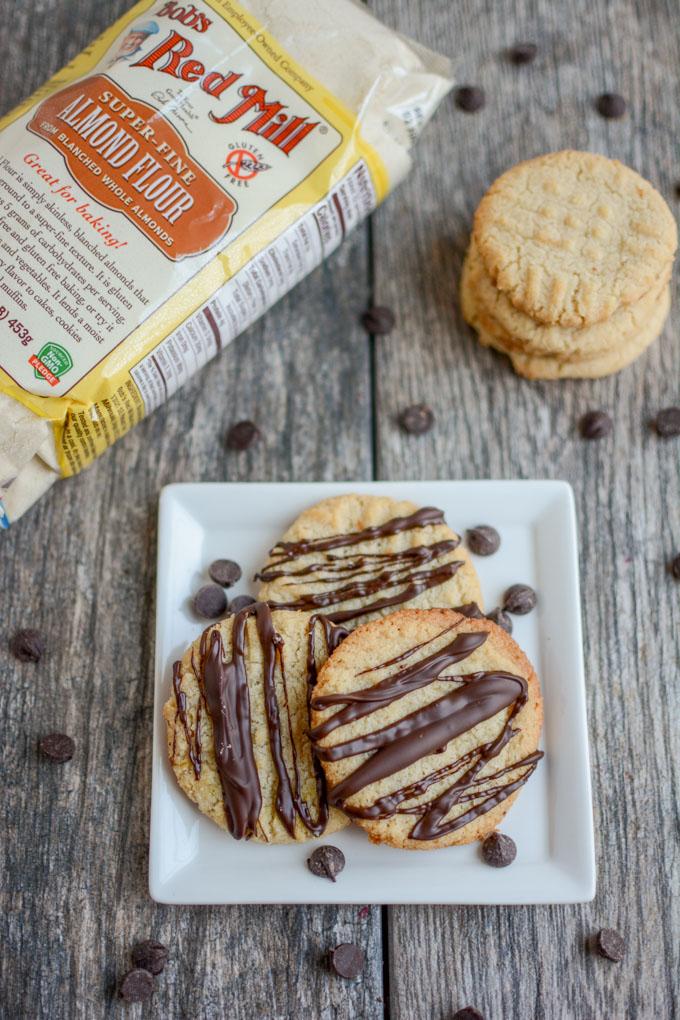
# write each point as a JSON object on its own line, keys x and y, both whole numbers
{"x": 129, "y": 158}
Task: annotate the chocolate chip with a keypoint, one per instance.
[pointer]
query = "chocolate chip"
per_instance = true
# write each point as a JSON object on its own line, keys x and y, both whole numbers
{"x": 27, "y": 646}
{"x": 468, "y": 1013}
{"x": 210, "y": 602}
{"x": 57, "y": 747}
{"x": 674, "y": 567}
{"x": 326, "y": 862}
{"x": 611, "y": 105}
{"x": 677, "y": 190}
{"x": 523, "y": 53}
{"x": 242, "y": 435}
{"x": 610, "y": 944}
{"x": 519, "y": 600}
{"x": 136, "y": 986}
{"x": 596, "y": 425}
{"x": 499, "y": 850}
{"x": 150, "y": 955}
{"x": 241, "y": 602}
{"x": 378, "y": 320}
{"x": 417, "y": 419}
{"x": 470, "y": 98}
{"x": 667, "y": 422}
{"x": 483, "y": 540}
{"x": 500, "y": 618}
{"x": 347, "y": 960}
{"x": 225, "y": 572}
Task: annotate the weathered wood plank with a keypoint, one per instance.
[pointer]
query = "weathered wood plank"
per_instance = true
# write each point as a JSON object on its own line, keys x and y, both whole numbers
{"x": 521, "y": 962}
{"x": 95, "y": 903}
{"x": 81, "y": 567}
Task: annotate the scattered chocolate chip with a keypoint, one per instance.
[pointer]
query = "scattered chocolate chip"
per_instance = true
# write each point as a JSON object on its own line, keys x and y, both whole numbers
{"x": 674, "y": 567}
{"x": 225, "y": 572}
{"x": 523, "y": 53}
{"x": 210, "y": 602}
{"x": 378, "y": 320}
{"x": 136, "y": 986}
{"x": 677, "y": 190}
{"x": 241, "y": 602}
{"x": 242, "y": 435}
{"x": 150, "y": 955}
{"x": 483, "y": 540}
{"x": 326, "y": 862}
{"x": 611, "y": 105}
{"x": 519, "y": 600}
{"x": 501, "y": 619}
{"x": 596, "y": 425}
{"x": 667, "y": 422}
{"x": 417, "y": 419}
{"x": 468, "y": 1013}
{"x": 27, "y": 646}
{"x": 347, "y": 960}
{"x": 57, "y": 747}
{"x": 610, "y": 944}
{"x": 499, "y": 850}
{"x": 470, "y": 98}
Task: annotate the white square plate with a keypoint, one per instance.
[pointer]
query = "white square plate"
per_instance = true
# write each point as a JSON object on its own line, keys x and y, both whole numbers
{"x": 193, "y": 861}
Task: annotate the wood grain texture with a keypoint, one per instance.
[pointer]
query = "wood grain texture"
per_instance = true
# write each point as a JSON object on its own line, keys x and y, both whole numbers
{"x": 517, "y": 963}
{"x": 81, "y": 566}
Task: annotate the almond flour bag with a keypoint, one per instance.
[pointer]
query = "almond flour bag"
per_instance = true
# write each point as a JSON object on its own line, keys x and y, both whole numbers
{"x": 164, "y": 190}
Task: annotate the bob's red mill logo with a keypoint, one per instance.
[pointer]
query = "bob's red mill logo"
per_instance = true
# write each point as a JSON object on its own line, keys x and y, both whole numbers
{"x": 268, "y": 118}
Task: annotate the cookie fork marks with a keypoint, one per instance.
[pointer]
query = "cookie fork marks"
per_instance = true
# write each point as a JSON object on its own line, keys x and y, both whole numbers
{"x": 564, "y": 277}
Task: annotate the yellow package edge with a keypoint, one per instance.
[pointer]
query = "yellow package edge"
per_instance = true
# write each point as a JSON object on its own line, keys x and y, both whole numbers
{"x": 106, "y": 403}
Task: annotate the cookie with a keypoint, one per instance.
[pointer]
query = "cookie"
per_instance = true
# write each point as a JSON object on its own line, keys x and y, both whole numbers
{"x": 427, "y": 726}
{"x": 570, "y": 237}
{"x": 489, "y": 310}
{"x": 596, "y": 366}
{"x": 355, "y": 558}
{"x": 237, "y": 725}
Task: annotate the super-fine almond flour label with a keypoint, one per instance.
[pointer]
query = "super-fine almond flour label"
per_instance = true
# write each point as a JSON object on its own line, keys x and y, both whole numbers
{"x": 156, "y": 197}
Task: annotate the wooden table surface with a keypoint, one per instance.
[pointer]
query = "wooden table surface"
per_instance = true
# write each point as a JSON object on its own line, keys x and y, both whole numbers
{"x": 81, "y": 568}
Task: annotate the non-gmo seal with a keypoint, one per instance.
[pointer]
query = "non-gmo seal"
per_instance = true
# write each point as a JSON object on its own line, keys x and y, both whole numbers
{"x": 51, "y": 363}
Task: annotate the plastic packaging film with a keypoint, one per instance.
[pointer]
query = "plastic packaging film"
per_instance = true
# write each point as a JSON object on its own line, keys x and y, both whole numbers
{"x": 165, "y": 189}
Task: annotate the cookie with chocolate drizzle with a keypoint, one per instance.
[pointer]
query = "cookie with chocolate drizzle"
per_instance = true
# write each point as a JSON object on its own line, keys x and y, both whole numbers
{"x": 427, "y": 726}
{"x": 356, "y": 558}
{"x": 237, "y": 725}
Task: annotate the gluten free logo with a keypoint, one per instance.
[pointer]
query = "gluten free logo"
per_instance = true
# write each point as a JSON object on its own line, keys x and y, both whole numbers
{"x": 51, "y": 363}
{"x": 244, "y": 163}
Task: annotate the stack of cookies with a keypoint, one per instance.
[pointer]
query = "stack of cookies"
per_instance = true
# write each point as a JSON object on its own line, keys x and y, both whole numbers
{"x": 569, "y": 265}
{"x": 365, "y": 686}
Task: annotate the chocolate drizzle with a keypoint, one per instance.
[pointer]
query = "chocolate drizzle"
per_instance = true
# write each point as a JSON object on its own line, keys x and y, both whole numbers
{"x": 365, "y": 573}
{"x": 471, "y": 610}
{"x": 426, "y": 731}
{"x": 361, "y": 703}
{"x": 194, "y": 745}
{"x": 333, "y": 634}
{"x": 224, "y": 686}
{"x": 408, "y": 654}
{"x": 419, "y": 519}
